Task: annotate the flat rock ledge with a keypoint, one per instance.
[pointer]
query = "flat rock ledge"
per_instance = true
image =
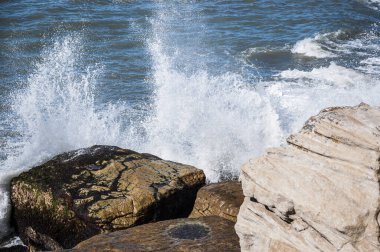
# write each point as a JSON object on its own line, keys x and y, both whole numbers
{"x": 219, "y": 199}
{"x": 209, "y": 233}
{"x": 99, "y": 189}
{"x": 318, "y": 193}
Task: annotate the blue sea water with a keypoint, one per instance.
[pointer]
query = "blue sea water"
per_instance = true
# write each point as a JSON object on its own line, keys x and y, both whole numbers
{"x": 208, "y": 83}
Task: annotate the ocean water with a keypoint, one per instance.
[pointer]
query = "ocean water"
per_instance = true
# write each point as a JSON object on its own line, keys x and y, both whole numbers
{"x": 207, "y": 83}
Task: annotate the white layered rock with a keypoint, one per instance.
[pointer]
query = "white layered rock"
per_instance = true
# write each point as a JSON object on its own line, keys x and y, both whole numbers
{"x": 318, "y": 193}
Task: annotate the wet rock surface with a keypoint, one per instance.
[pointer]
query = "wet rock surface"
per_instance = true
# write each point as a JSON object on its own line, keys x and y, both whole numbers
{"x": 319, "y": 193}
{"x": 209, "y": 233}
{"x": 220, "y": 199}
{"x": 82, "y": 193}
{"x": 17, "y": 248}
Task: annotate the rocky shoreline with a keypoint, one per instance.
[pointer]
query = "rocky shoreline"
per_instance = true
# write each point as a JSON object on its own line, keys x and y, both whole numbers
{"x": 321, "y": 192}
{"x": 103, "y": 189}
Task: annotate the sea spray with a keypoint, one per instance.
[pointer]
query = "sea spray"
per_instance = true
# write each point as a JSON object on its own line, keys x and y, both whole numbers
{"x": 4, "y": 210}
{"x": 214, "y": 122}
{"x": 56, "y": 112}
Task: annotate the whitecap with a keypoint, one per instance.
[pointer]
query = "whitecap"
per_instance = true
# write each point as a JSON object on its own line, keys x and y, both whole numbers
{"x": 334, "y": 75}
{"x": 311, "y": 48}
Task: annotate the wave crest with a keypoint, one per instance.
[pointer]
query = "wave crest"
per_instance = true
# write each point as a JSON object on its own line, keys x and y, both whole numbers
{"x": 310, "y": 47}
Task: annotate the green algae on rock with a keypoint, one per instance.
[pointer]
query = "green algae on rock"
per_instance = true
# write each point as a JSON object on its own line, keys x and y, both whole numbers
{"x": 99, "y": 189}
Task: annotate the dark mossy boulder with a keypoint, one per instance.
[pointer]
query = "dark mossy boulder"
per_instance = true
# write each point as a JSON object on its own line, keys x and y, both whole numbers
{"x": 100, "y": 189}
{"x": 220, "y": 199}
{"x": 209, "y": 233}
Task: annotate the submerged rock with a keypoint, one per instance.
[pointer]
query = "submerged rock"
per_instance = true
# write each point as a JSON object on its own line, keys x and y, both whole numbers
{"x": 319, "y": 193}
{"x": 220, "y": 199}
{"x": 209, "y": 233}
{"x": 82, "y": 193}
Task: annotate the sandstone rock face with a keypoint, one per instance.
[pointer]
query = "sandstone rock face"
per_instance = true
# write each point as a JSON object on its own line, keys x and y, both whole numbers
{"x": 209, "y": 233}
{"x": 220, "y": 199}
{"x": 319, "y": 193}
{"x": 99, "y": 189}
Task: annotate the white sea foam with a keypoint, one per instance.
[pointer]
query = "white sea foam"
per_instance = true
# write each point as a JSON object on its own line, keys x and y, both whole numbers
{"x": 4, "y": 209}
{"x": 56, "y": 111}
{"x": 311, "y": 48}
{"x": 297, "y": 95}
{"x": 208, "y": 120}
{"x": 14, "y": 241}
{"x": 212, "y": 122}
{"x": 370, "y": 65}
{"x": 374, "y": 4}
{"x": 333, "y": 75}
